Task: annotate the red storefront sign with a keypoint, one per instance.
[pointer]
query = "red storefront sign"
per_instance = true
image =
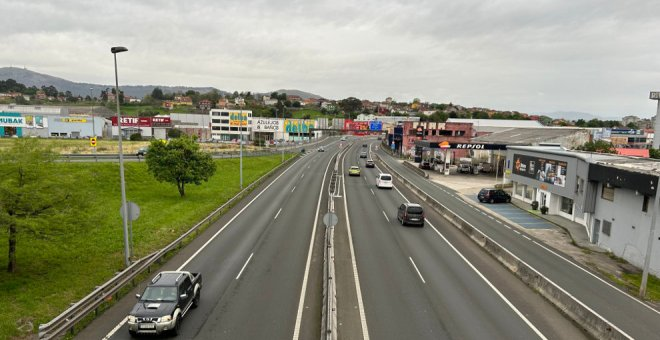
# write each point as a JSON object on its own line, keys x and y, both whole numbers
{"x": 142, "y": 121}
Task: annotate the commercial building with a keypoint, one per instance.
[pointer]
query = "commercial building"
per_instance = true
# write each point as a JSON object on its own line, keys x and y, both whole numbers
{"x": 611, "y": 196}
{"x": 193, "y": 125}
{"x": 228, "y": 125}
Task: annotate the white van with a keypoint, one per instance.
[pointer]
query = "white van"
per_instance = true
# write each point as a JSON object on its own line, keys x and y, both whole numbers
{"x": 384, "y": 181}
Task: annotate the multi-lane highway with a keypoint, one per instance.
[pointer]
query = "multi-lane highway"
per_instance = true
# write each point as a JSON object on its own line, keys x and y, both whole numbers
{"x": 262, "y": 266}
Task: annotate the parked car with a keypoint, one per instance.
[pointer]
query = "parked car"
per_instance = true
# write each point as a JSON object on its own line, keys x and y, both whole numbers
{"x": 491, "y": 195}
{"x": 142, "y": 151}
{"x": 165, "y": 302}
{"x": 370, "y": 163}
{"x": 384, "y": 181}
{"x": 410, "y": 213}
{"x": 363, "y": 154}
{"x": 464, "y": 168}
{"x": 364, "y": 145}
{"x": 425, "y": 164}
{"x": 487, "y": 167}
{"x": 354, "y": 170}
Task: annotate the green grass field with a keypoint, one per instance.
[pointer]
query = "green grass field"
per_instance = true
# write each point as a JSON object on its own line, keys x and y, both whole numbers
{"x": 55, "y": 270}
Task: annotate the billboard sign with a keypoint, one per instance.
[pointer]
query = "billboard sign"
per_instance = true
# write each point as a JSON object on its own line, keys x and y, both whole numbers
{"x": 546, "y": 170}
{"x": 267, "y": 125}
{"x": 376, "y": 125}
{"x": 134, "y": 121}
{"x": 10, "y": 121}
{"x": 238, "y": 118}
{"x": 298, "y": 125}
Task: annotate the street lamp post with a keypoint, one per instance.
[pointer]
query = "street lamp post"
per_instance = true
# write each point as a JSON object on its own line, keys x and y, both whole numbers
{"x": 240, "y": 143}
{"x": 124, "y": 206}
{"x": 93, "y": 123}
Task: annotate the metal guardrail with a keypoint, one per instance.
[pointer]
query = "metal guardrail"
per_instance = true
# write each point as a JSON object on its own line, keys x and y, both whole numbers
{"x": 70, "y": 317}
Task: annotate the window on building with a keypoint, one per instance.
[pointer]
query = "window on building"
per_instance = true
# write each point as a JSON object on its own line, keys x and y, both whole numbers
{"x": 224, "y": 128}
{"x": 607, "y": 227}
{"x": 608, "y": 192}
{"x": 645, "y": 203}
{"x": 567, "y": 205}
{"x": 225, "y": 121}
{"x": 215, "y": 128}
{"x": 224, "y": 114}
{"x": 233, "y": 128}
{"x": 529, "y": 193}
{"x": 215, "y": 121}
{"x": 444, "y": 133}
{"x": 459, "y": 133}
{"x": 433, "y": 132}
{"x": 520, "y": 188}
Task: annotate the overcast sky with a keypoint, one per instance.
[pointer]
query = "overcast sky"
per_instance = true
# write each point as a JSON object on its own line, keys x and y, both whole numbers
{"x": 601, "y": 57}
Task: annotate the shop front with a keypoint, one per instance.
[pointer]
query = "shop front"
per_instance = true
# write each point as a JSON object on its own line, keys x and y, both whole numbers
{"x": 11, "y": 124}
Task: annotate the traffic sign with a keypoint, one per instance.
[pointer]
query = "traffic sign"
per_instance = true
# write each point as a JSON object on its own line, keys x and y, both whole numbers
{"x": 330, "y": 219}
{"x": 92, "y": 141}
{"x": 133, "y": 211}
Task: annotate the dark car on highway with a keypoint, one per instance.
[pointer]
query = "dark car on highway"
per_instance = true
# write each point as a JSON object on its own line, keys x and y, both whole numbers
{"x": 410, "y": 213}
{"x": 493, "y": 196}
{"x": 370, "y": 163}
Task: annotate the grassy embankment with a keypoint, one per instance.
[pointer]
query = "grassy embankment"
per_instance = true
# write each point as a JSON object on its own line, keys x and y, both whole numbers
{"x": 55, "y": 270}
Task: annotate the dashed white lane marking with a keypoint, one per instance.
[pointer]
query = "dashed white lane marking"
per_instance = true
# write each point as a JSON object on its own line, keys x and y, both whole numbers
{"x": 527, "y": 237}
{"x": 516, "y": 231}
{"x": 245, "y": 265}
{"x": 388, "y": 220}
{"x": 294, "y": 188}
{"x": 278, "y": 213}
{"x": 416, "y": 269}
{"x": 372, "y": 192}
{"x": 303, "y": 175}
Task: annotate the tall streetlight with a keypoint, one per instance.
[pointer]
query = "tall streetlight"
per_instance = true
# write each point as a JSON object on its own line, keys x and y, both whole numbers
{"x": 240, "y": 143}
{"x": 124, "y": 206}
{"x": 93, "y": 123}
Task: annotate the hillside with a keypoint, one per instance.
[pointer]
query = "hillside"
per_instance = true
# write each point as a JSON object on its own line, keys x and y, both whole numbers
{"x": 31, "y": 78}
{"x": 301, "y": 94}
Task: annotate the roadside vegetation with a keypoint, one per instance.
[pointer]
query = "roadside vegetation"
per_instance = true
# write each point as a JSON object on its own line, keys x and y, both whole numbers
{"x": 67, "y": 257}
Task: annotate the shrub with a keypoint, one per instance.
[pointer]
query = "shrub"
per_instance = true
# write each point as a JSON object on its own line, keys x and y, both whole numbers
{"x": 544, "y": 210}
{"x": 535, "y": 205}
{"x": 136, "y": 137}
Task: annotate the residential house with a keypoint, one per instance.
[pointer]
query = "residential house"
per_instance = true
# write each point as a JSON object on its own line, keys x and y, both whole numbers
{"x": 204, "y": 104}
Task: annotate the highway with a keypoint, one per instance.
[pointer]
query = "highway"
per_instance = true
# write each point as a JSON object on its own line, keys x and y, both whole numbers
{"x": 633, "y": 317}
{"x": 262, "y": 269}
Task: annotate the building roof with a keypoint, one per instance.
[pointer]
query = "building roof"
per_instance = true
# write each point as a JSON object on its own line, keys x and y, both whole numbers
{"x": 633, "y": 152}
{"x": 497, "y": 123}
{"x": 527, "y": 136}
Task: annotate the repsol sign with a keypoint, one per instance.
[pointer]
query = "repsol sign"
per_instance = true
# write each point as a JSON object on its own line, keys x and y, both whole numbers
{"x": 471, "y": 146}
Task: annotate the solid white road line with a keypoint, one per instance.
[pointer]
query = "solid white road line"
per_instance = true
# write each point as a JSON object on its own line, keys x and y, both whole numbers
{"x": 529, "y": 323}
{"x": 114, "y": 330}
{"x": 363, "y": 318}
{"x": 245, "y": 265}
{"x": 301, "y": 301}
{"x": 294, "y": 188}
{"x": 278, "y": 213}
{"x": 417, "y": 269}
{"x": 388, "y": 220}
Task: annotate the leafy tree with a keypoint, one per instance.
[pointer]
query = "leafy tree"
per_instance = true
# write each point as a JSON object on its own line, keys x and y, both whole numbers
{"x": 180, "y": 161}
{"x": 598, "y": 146}
{"x": 654, "y": 153}
{"x": 136, "y": 137}
{"x": 33, "y": 194}
{"x": 50, "y": 91}
{"x": 632, "y": 125}
{"x": 350, "y": 105}
{"x": 296, "y": 104}
{"x": 175, "y": 133}
{"x": 157, "y": 93}
{"x": 287, "y": 103}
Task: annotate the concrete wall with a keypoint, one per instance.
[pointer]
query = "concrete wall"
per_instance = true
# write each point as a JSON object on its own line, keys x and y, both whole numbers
{"x": 630, "y": 227}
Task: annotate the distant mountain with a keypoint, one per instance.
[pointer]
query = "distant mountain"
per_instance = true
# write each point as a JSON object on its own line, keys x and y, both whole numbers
{"x": 301, "y": 94}
{"x": 31, "y": 78}
{"x": 572, "y": 115}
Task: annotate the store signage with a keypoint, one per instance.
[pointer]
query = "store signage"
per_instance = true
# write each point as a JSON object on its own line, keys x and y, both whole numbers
{"x": 12, "y": 121}
{"x": 73, "y": 120}
{"x": 238, "y": 118}
{"x": 267, "y": 125}
{"x": 142, "y": 121}
{"x": 546, "y": 170}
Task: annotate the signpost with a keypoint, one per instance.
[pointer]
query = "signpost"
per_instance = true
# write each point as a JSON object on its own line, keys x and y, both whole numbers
{"x": 92, "y": 142}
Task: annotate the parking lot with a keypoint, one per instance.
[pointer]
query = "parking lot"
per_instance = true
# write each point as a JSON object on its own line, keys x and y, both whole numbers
{"x": 468, "y": 185}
